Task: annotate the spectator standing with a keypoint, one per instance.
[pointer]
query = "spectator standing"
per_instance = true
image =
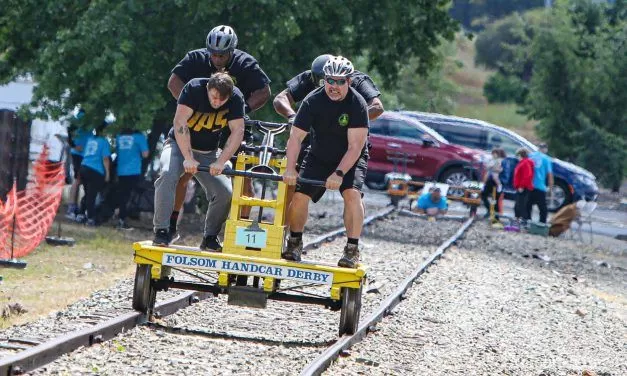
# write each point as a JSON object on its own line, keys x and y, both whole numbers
{"x": 131, "y": 147}
{"x": 492, "y": 181}
{"x": 95, "y": 172}
{"x": 523, "y": 183}
{"x": 542, "y": 173}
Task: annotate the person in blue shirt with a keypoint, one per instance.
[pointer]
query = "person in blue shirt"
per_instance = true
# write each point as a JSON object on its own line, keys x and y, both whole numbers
{"x": 432, "y": 203}
{"x": 77, "y": 140}
{"x": 95, "y": 172}
{"x": 543, "y": 173}
{"x": 131, "y": 147}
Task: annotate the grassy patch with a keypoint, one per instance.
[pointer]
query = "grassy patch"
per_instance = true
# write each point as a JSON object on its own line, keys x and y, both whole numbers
{"x": 58, "y": 276}
{"x": 470, "y": 101}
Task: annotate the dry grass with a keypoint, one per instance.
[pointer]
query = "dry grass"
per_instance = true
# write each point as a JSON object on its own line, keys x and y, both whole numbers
{"x": 58, "y": 276}
{"x": 470, "y": 101}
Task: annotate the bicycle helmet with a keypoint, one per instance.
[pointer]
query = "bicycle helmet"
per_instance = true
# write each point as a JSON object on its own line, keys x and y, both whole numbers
{"x": 338, "y": 66}
{"x": 221, "y": 39}
{"x": 317, "y": 74}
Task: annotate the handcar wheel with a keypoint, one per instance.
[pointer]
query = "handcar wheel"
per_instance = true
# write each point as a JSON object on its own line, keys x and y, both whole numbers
{"x": 351, "y": 307}
{"x": 144, "y": 294}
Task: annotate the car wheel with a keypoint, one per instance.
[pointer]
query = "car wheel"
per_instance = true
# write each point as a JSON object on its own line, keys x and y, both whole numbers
{"x": 455, "y": 177}
{"x": 561, "y": 196}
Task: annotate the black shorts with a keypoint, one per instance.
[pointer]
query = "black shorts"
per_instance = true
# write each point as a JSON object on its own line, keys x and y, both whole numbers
{"x": 76, "y": 164}
{"x": 301, "y": 156}
{"x": 314, "y": 169}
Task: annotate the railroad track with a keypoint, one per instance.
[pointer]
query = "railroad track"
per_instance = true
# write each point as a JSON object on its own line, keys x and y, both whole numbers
{"x": 24, "y": 353}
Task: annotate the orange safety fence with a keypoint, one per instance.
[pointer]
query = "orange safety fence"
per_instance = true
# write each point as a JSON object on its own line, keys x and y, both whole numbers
{"x": 27, "y": 215}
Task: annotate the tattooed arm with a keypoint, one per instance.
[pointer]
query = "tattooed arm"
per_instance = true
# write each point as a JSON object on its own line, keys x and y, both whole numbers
{"x": 181, "y": 134}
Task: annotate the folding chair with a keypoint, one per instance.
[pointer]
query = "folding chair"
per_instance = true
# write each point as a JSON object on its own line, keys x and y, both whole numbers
{"x": 585, "y": 217}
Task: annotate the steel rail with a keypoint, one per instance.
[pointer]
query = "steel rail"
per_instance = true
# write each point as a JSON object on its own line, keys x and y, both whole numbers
{"x": 322, "y": 362}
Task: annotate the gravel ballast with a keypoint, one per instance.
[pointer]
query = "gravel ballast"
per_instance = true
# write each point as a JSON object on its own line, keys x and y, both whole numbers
{"x": 511, "y": 304}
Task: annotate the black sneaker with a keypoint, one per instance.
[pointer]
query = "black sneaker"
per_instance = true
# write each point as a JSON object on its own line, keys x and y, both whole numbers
{"x": 351, "y": 256}
{"x": 162, "y": 238}
{"x": 294, "y": 249}
{"x": 211, "y": 243}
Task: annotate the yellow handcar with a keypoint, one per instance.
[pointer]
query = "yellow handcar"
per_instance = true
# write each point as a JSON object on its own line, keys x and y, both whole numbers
{"x": 250, "y": 268}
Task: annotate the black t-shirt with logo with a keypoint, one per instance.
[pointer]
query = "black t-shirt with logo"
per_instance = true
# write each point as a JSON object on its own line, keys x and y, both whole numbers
{"x": 207, "y": 123}
{"x": 302, "y": 84}
{"x": 328, "y": 122}
{"x": 243, "y": 68}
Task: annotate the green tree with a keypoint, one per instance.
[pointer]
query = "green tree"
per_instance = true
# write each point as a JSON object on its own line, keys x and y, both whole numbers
{"x": 578, "y": 88}
{"x": 116, "y": 56}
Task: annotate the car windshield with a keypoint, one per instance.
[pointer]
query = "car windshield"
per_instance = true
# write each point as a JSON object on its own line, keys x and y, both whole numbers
{"x": 426, "y": 130}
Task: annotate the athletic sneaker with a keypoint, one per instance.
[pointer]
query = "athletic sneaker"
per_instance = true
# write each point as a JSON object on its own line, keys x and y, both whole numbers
{"x": 294, "y": 249}
{"x": 211, "y": 243}
{"x": 162, "y": 238}
{"x": 351, "y": 256}
{"x": 80, "y": 218}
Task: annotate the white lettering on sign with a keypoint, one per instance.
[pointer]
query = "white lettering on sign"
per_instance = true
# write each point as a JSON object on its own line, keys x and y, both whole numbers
{"x": 249, "y": 268}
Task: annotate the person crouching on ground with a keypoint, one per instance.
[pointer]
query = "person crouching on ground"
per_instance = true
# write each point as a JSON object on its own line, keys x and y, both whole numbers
{"x": 432, "y": 203}
{"x": 523, "y": 184}
{"x": 337, "y": 117}
{"x": 205, "y": 107}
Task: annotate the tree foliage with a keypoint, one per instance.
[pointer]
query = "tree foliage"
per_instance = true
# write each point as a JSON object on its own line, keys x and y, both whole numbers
{"x": 107, "y": 55}
{"x": 578, "y": 89}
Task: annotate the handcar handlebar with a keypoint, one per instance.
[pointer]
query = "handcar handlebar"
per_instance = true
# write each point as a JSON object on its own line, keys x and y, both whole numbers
{"x": 266, "y": 125}
{"x": 261, "y": 175}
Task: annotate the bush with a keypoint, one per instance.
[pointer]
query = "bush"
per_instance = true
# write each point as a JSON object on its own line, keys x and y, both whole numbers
{"x": 504, "y": 89}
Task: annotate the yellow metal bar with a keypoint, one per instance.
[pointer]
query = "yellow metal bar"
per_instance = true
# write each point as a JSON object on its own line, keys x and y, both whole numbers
{"x": 250, "y": 201}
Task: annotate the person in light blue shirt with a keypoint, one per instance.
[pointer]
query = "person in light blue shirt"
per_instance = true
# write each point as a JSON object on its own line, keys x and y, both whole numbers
{"x": 543, "y": 172}
{"x": 95, "y": 172}
{"x": 432, "y": 203}
{"x": 78, "y": 139}
{"x": 131, "y": 147}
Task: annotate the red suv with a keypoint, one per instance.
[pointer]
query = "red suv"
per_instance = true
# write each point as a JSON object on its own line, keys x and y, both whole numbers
{"x": 429, "y": 155}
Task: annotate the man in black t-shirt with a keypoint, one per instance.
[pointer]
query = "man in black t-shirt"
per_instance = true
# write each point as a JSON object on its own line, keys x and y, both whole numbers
{"x": 336, "y": 116}
{"x": 220, "y": 55}
{"x": 299, "y": 86}
{"x": 206, "y": 107}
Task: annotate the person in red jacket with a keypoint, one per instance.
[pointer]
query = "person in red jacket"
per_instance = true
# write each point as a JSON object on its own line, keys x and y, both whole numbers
{"x": 523, "y": 183}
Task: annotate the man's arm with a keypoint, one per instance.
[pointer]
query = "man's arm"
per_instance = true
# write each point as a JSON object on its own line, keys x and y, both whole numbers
{"x": 233, "y": 142}
{"x": 283, "y": 104}
{"x": 375, "y": 108}
{"x": 107, "y": 167}
{"x": 181, "y": 131}
{"x": 175, "y": 85}
{"x": 297, "y": 136}
{"x": 356, "y": 141}
{"x": 258, "y": 98}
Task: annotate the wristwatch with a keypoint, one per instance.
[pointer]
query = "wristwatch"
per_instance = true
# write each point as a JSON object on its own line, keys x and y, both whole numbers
{"x": 339, "y": 173}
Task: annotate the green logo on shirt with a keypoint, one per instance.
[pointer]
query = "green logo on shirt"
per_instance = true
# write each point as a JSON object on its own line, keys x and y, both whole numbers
{"x": 343, "y": 120}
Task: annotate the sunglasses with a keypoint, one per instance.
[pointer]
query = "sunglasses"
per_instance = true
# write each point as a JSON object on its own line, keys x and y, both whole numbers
{"x": 338, "y": 82}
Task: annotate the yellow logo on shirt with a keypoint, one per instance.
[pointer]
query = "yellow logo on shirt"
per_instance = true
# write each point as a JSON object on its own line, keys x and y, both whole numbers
{"x": 212, "y": 121}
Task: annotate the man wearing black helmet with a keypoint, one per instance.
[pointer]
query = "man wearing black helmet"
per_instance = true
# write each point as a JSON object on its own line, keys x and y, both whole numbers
{"x": 337, "y": 118}
{"x": 220, "y": 55}
{"x": 304, "y": 83}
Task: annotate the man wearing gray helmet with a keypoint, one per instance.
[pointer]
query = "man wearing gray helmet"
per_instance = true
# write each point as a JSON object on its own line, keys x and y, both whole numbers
{"x": 337, "y": 118}
{"x": 299, "y": 86}
{"x": 220, "y": 55}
